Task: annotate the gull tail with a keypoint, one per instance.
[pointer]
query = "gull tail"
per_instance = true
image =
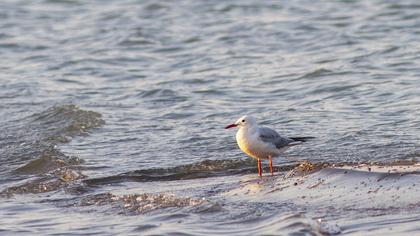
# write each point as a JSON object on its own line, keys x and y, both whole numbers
{"x": 301, "y": 139}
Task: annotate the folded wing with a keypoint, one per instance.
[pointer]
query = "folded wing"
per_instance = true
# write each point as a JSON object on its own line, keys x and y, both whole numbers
{"x": 271, "y": 136}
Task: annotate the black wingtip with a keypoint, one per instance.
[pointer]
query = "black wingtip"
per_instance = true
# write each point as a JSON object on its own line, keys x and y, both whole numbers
{"x": 301, "y": 139}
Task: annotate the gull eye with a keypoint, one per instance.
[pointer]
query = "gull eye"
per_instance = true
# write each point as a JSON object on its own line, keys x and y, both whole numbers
{"x": 243, "y": 121}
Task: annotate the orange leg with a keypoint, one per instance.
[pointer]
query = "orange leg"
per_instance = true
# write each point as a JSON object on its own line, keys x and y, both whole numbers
{"x": 271, "y": 164}
{"x": 259, "y": 168}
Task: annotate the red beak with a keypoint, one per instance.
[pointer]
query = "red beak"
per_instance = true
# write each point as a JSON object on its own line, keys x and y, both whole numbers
{"x": 230, "y": 126}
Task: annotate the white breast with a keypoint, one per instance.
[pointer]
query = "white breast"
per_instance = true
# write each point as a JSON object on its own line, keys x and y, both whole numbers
{"x": 249, "y": 143}
{"x": 244, "y": 142}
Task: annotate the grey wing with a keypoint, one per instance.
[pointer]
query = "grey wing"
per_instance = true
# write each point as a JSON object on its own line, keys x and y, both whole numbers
{"x": 270, "y": 136}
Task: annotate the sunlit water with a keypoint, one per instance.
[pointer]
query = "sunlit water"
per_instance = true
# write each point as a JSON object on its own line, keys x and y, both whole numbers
{"x": 112, "y": 116}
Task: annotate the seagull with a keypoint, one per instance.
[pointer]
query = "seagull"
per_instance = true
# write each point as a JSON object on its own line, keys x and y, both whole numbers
{"x": 261, "y": 142}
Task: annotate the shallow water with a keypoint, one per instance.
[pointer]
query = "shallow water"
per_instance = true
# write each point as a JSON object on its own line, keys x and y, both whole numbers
{"x": 112, "y": 116}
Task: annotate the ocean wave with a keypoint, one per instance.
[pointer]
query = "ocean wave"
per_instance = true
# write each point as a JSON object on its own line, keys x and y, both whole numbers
{"x": 203, "y": 169}
{"x": 65, "y": 120}
{"x": 47, "y": 182}
{"x": 31, "y": 154}
{"x": 140, "y": 203}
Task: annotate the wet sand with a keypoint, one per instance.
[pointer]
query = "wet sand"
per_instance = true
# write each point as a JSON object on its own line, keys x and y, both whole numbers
{"x": 361, "y": 199}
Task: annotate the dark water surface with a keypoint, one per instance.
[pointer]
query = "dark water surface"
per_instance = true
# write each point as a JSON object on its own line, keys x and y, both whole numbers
{"x": 112, "y": 116}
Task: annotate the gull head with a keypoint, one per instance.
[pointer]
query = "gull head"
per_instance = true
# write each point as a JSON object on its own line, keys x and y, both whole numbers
{"x": 243, "y": 122}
